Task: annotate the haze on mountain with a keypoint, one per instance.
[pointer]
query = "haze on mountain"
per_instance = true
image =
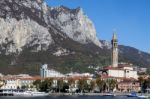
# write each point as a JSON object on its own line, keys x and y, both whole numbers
{"x": 33, "y": 33}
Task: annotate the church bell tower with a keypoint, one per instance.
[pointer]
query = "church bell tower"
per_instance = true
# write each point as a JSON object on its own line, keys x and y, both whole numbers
{"x": 114, "y": 43}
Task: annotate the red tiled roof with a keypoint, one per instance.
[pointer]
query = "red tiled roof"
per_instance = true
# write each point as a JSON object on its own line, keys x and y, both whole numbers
{"x": 120, "y": 67}
{"x": 67, "y": 78}
{"x": 21, "y": 78}
{"x": 124, "y": 65}
{"x": 122, "y": 78}
{"x": 40, "y": 78}
{"x": 113, "y": 68}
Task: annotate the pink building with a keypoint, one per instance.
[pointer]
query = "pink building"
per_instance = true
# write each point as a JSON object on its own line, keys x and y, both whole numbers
{"x": 128, "y": 86}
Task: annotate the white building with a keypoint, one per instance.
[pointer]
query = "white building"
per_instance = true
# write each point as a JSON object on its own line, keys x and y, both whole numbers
{"x": 123, "y": 71}
{"x": 11, "y": 83}
{"x": 79, "y": 74}
{"x": 45, "y": 72}
{"x": 17, "y": 81}
{"x": 1, "y": 75}
{"x": 115, "y": 73}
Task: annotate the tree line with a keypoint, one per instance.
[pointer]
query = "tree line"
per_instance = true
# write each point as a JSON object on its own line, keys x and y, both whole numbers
{"x": 79, "y": 86}
{"x": 144, "y": 84}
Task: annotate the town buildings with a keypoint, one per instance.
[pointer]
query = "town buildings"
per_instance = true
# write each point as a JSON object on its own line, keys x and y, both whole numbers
{"x": 120, "y": 72}
{"x": 126, "y": 75}
{"x": 45, "y": 72}
{"x": 18, "y": 81}
{"x": 128, "y": 85}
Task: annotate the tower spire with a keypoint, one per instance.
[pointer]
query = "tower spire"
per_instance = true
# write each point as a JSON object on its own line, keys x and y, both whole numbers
{"x": 114, "y": 42}
{"x": 114, "y": 36}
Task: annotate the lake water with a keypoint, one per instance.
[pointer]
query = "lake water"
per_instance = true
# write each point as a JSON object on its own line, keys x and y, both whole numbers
{"x": 72, "y": 97}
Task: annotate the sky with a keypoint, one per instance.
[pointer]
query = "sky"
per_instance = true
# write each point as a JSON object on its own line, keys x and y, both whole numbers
{"x": 130, "y": 19}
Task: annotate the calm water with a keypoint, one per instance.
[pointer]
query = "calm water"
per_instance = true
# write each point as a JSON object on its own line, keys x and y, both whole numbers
{"x": 71, "y": 97}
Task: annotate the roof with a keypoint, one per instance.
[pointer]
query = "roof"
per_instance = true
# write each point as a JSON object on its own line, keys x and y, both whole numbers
{"x": 120, "y": 67}
{"x": 121, "y": 78}
{"x": 112, "y": 68}
{"x": 40, "y": 78}
{"x": 68, "y": 78}
{"x": 21, "y": 78}
{"x": 128, "y": 81}
{"x": 124, "y": 65}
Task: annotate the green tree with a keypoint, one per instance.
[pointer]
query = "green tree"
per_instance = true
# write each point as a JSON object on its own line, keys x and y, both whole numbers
{"x": 31, "y": 86}
{"x": 71, "y": 83}
{"x": 46, "y": 85}
{"x": 83, "y": 85}
{"x": 141, "y": 80}
{"x": 148, "y": 82}
{"x": 92, "y": 86}
{"x": 65, "y": 87}
{"x": 101, "y": 84}
{"x": 144, "y": 83}
{"x": 24, "y": 87}
{"x": 144, "y": 86}
{"x": 111, "y": 84}
{"x": 49, "y": 84}
{"x": 37, "y": 84}
{"x": 60, "y": 85}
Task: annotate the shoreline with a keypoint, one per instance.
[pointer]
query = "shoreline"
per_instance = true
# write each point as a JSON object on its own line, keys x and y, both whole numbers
{"x": 93, "y": 94}
{"x": 86, "y": 94}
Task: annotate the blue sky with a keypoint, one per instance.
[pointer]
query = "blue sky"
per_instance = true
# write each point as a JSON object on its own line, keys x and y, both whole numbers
{"x": 129, "y": 18}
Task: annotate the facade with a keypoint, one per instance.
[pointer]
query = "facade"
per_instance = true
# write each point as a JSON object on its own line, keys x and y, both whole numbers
{"x": 11, "y": 83}
{"x": 27, "y": 82}
{"x": 131, "y": 74}
{"x": 123, "y": 71}
{"x": 18, "y": 81}
{"x": 128, "y": 86}
{"x": 79, "y": 75}
{"x": 115, "y": 73}
{"x": 45, "y": 72}
{"x": 1, "y": 75}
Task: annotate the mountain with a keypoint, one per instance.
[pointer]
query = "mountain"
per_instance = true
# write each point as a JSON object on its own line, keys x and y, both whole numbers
{"x": 32, "y": 33}
{"x": 130, "y": 54}
{"x": 134, "y": 56}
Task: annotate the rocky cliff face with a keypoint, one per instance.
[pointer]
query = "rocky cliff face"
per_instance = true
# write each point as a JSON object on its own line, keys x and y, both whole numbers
{"x": 14, "y": 35}
{"x": 75, "y": 24}
{"x": 27, "y": 23}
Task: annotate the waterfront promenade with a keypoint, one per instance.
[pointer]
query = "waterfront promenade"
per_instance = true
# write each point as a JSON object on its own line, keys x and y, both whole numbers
{"x": 87, "y": 94}
{"x": 94, "y": 94}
